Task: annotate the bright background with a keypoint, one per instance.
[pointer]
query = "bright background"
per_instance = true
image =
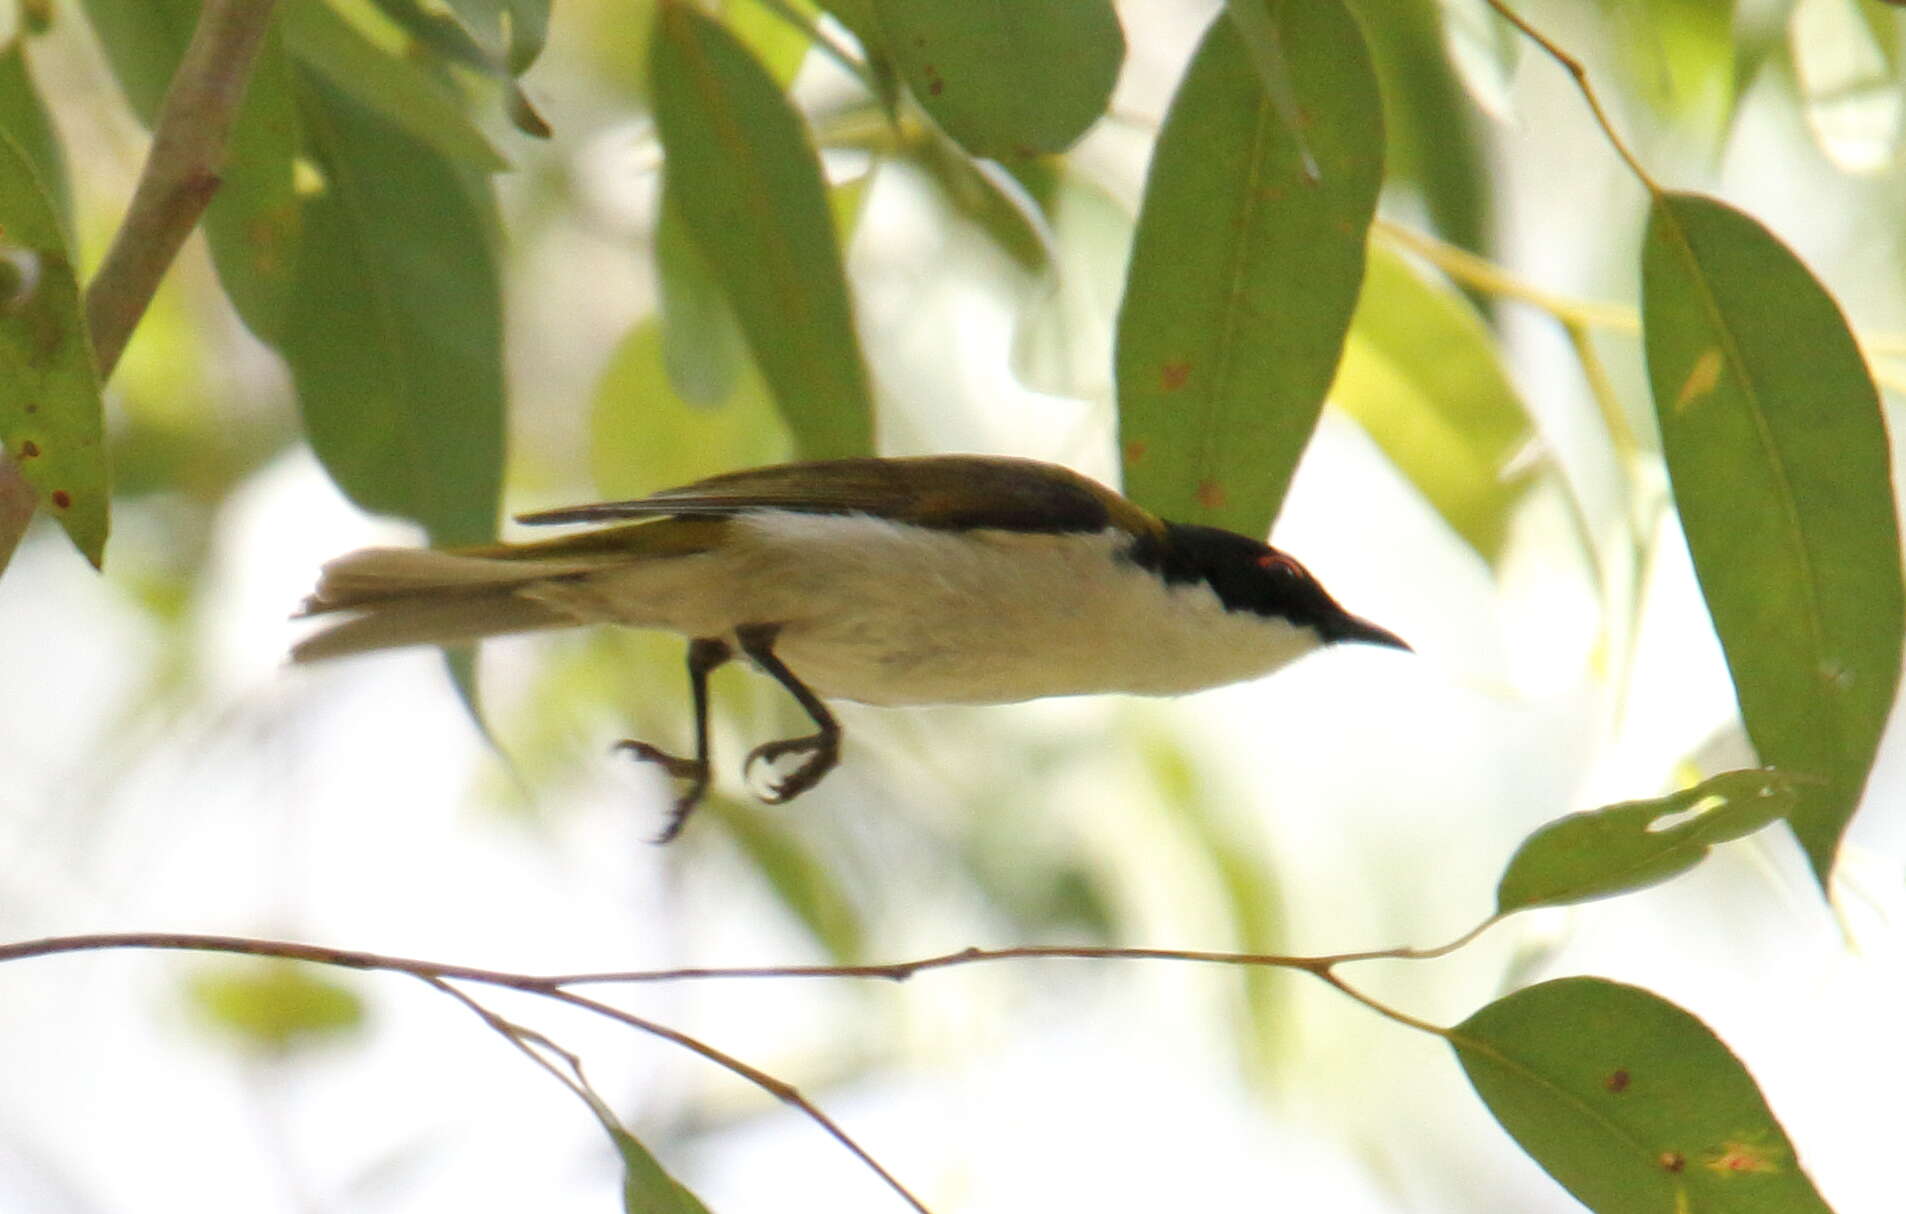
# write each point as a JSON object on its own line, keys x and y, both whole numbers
{"x": 162, "y": 769}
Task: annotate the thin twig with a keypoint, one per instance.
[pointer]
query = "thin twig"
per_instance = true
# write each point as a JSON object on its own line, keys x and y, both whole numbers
{"x": 189, "y": 141}
{"x": 1575, "y": 69}
{"x": 1485, "y": 275}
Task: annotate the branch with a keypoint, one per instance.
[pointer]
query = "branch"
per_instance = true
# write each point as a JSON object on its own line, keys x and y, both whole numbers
{"x": 181, "y": 171}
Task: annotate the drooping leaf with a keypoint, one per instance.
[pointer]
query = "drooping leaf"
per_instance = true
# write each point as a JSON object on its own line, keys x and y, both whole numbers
{"x": 992, "y": 198}
{"x": 23, "y": 116}
{"x": 1779, "y": 461}
{"x": 1245, "y": 270}
{"x": 471, "y": 35}
{"x": 644, "y": 437}
{"x": 143, "y": 40}
{"x": 1431, "y": 138}
{"x": 252, "y": 222}
{"x": 1617, "y": 848}
{"x": 50, "y": 410}
{"x": 394, "y": 335}
{"x": 1007, "y": 80}
{"x": 647, "y": 1188}
{"x": 397, "y": 90}
{"x": 527, "y": 26}
{"x": 1847, "y": 55}
{"x": 746, "y": 182}
{"x": 1631, "y": 1103}
{"x": 702, "y": 343}
{"x": 1680, "y": 56}
{"x": 275, "y": 1005}
{"x": 1420, "y": 373}
{"x": 1485, "y": 50}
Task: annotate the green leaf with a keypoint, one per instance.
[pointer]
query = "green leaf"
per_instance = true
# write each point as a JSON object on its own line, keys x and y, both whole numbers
{"x": 1846, "y": 56}
{"x": 143, "y": 41}
{"x": 1632, "y": 1104}
{"x": 397, "y": 90}
{"x": 1618, "y": 848}
{"x": 1781, "y": 473}
{"x": 1245, "y": 270}
{"x": 254, "y": 221}
{"x": 747, "y": 184}
{"x": 802, "y": 877}
{"x": 644, "y": 437}
{"x": 527, "y": 21}
{"x": 1007, "y": 79}
{"x": 1420, "y": 374}
{"x": 472, "y": 36}
{"x": 50, "y": 410}
{"x": 275, "y": 1005}
{"x": 395, "y": 330}
{"x": 702, "y": 343}
{"x": 646, "y": 1187}
{"x": 987, "y": 195}
{"x": 1431, "y": 134}
{"x": 23, "y": 117}
{"x": 1680, "y": 56}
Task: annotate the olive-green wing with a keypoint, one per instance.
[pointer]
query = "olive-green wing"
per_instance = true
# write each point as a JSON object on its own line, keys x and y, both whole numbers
{"x": 953, "y": 492}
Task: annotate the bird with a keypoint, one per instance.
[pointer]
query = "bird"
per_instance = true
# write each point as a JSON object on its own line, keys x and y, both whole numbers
{"x": 891, "y": 581}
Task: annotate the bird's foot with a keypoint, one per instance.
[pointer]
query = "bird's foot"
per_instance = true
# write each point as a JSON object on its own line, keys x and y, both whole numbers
{"x": 822, "y": 751}
{"x": 695, "y": 771}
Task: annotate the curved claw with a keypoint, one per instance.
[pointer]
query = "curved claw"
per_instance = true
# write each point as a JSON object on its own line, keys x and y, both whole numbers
{"x": 695, "y": 771}
{"x": 823, "y": 750}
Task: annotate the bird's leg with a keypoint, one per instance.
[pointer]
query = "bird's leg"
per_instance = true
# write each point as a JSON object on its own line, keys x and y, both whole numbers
{"x": 822, "y": 746}
{"x": 704, "y": 654}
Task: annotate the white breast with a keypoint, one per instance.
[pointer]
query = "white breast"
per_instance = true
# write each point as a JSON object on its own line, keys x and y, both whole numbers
{"x": 892, "y": 614}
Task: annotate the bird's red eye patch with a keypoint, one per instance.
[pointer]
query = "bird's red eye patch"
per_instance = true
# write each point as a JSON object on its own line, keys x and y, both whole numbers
{"x": 1276, "y": 562}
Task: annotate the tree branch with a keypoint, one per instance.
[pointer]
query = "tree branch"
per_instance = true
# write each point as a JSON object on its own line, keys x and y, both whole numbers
{"x": 189, "y": 141}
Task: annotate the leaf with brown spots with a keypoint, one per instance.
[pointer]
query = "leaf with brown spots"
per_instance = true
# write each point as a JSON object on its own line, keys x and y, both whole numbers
{"x": 1245, "y": 267}
{"x": 49, "y": 391}
{"x": 1615, "y": 1091}
{"x": 1007, "y": 78}
{"x": 1782, "y": 476}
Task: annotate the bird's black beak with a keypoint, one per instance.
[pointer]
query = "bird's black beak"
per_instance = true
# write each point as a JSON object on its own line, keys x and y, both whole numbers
{"x": 1353, "y": 628}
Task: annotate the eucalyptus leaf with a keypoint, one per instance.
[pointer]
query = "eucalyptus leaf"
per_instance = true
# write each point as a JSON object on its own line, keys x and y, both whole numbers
{"x": 747, "y": 184}
{"x": 702, "y": 343}
{"x": 1782, "y": 475}
{"x": 1623, "y": 847}
{"x": 23, "y": 117}
{"x": 395, "y": 329}
{"x": 1631, "y": 1103}
{"x": 398, "y": 90}
{"x": 1007, "y": 80}
{"x": 50, "y": 410}
{"x": 274, "y": 1006}
{"x": 1421, "y": 374}
{"x": 1245, "y": 270}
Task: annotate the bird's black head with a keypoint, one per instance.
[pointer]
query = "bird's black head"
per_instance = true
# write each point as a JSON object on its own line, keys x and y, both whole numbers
{"x": 1250, "y": 576}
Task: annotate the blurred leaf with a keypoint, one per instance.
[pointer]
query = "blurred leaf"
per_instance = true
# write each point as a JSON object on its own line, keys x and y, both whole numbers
{"x": 1485, "y": 50}
{"x": 273, "y": 1006}
{"x": 50, "y": 409}
{"x": 143, "y": 40}
{"x": 1639, "y": 843}
{"x": 646, "y": 1187}
{"x": 1244, "y": 271}
{"x": 1632, "y": 1104}
{"x": 527, "y": 22}
{"x": 643, "y": 437}
{"x": 1847, "y": 55}
{"x": 703, "y": 347}
{"x": 1421, "y": 375}
{"x": 254, "y": 220}
{"x": 993, "y": 199}
{"x": 747, "y": 185}
{"x": 1680, "y": 53}
{"x": 397, "y": 90}
{"x": 803, "y": 879}
{"x": 395, "y": 331}
{"x": 1431, "y": 139}
{"x": 1007, "y": 80}
{"x": 23, "y": 117}
{"x": 1781, "y": 473}
{"x": 476, "y": 42}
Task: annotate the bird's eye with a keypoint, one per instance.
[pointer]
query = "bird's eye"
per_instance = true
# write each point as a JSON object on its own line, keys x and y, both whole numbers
{"x": 1277, "y": 562}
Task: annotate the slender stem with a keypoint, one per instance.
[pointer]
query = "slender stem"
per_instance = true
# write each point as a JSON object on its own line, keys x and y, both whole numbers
{"x": 1382, "y": 1009}
{"x": 1484, "y": 275}
{"x": 189, "y": 141}
{"x": 1575, "y": 69}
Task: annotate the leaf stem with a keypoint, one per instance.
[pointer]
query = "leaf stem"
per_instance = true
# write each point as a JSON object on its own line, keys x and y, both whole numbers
{"x": 189, "y": 141}
{"x": 1575, "y": 69}
{"x": 1486, "y": 276}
